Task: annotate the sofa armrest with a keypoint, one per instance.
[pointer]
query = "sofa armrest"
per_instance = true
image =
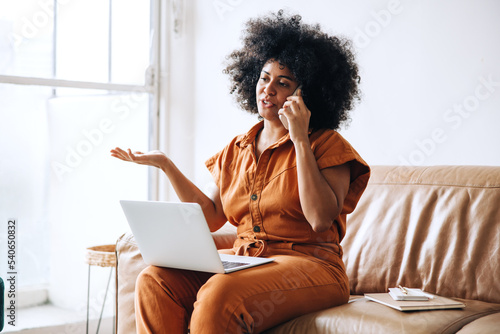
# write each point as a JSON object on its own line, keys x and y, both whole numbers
{"x": 129, "y": 264}
{"x": 225, "y": 236}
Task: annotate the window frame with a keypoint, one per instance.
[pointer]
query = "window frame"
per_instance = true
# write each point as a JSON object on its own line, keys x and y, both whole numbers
{"x": 158, "y": 18}
{"x": 36, "y": 295}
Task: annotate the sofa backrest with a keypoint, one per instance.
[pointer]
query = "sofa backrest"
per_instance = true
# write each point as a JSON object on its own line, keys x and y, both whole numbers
{"x": 435, "y": 228}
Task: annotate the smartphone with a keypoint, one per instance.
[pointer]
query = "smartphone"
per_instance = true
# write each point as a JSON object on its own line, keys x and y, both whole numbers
{"x": 283, "y": 118}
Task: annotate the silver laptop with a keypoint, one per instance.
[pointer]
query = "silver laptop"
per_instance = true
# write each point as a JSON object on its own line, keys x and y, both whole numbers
{"x": 176, "y": 235}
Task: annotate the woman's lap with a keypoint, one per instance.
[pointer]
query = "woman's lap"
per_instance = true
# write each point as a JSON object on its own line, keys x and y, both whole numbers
{"x": 252, "y": 300}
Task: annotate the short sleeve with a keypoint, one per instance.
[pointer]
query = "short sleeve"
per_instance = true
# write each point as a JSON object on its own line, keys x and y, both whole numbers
{"x": 331, "y": 149}
{"x": 214, "y": 166}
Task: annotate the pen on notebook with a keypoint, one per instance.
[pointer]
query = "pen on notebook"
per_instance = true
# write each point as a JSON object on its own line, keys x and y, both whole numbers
{"x": 403, "y": 289}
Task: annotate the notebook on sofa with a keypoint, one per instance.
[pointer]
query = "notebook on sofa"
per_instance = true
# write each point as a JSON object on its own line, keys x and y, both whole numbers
{"x": 176, "y": 235}
{"x": 436, "y": 303}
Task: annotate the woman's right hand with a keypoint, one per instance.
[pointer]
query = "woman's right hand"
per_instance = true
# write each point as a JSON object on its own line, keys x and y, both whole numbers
{"x": 184, "y": 188}
{"x": 153, "y": 158}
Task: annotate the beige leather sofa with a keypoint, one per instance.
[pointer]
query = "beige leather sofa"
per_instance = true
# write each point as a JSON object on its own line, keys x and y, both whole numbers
{"x": 435, "y": 228}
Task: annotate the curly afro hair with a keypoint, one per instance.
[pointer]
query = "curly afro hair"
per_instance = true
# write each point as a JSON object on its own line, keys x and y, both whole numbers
{"x": 324, "y": 65}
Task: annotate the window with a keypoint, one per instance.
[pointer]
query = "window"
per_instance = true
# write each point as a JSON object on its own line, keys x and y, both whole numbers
{"x": 76, "y": 79}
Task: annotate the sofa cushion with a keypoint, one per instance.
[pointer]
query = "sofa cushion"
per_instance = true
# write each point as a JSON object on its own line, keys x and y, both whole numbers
{"x": 436, "y": 228}
{"x": 363, "y": 316}
{"x": 486, "y": 325}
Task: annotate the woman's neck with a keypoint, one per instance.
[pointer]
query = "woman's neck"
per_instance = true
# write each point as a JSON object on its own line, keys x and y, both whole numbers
{"x": 269, "y": 135}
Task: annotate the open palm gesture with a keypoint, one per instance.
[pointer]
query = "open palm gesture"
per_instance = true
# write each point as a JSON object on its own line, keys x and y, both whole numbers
{"x": 153, "y": 158}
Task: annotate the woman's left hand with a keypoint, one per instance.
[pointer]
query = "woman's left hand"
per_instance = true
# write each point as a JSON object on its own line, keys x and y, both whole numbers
{"x": 298, "y": 116}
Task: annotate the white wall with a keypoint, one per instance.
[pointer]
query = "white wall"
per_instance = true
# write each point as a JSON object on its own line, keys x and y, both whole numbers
{"x": 425, "y": 68}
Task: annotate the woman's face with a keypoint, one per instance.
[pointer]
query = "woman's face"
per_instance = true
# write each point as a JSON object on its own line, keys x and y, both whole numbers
{"x": 276, "y": 83}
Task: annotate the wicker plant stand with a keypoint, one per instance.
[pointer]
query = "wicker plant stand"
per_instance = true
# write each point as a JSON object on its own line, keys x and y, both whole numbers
{"x": 102, "y": 256}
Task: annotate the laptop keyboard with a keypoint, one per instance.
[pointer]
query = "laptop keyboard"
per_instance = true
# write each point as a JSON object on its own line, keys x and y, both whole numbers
{"x": 229, "y": 265}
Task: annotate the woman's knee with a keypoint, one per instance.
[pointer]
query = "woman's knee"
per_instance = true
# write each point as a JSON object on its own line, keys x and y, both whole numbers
{"x": 146, "y": 283}
{"x": 218, "y": 288}
{"x": 176, "y": 283}
{"x": 147, "y": 276}
{"x": 238, "y": 305}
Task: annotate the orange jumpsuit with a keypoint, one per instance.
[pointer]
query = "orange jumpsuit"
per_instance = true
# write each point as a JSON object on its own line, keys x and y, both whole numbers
{"x": 260, "y": 197}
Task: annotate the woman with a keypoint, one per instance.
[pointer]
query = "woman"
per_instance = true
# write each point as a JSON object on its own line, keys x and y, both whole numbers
{"x": 287, "y": 191}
